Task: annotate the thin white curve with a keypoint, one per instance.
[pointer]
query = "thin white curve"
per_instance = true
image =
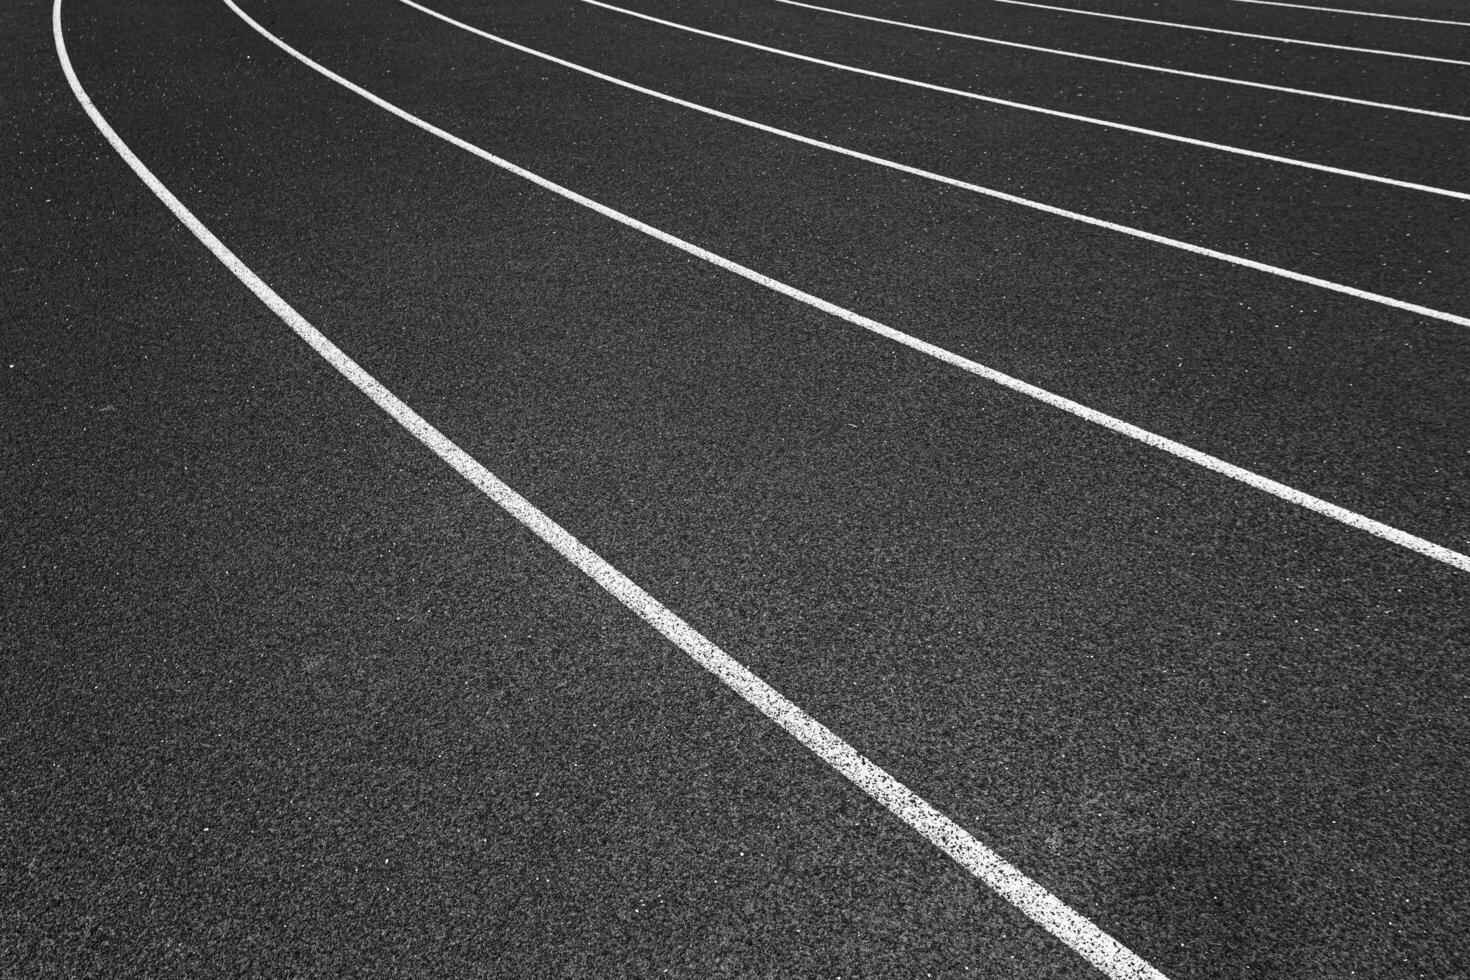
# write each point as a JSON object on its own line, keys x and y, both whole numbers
{"x": 1025, "y": 202}
{"x": 1368, "y": 103}
{"x": 1316, "y": 504}
{"x": 1056, "y": 113}
{"x": 1356, "y": 13}
{"x": 1221, "y": 30}
{"x": 1048, "y": 911}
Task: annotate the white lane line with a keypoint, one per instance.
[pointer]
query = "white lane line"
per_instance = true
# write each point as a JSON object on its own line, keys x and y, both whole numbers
{"x": 1057, "y": 113}
{"x": 1341, "y": 514}
{"x": 1358, "y": 13}
{"x": 1148, "y": 236}
{"x": 1220, "y": 30}
{"x": 1133, "y": 64}
{"x": 1096, "y": 946}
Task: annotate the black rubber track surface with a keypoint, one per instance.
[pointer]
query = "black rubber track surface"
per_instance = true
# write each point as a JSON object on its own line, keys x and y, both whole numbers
{"x": 281, "y": 695}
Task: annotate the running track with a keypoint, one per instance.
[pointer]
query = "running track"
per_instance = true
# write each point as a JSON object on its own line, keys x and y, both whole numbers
{"x": 285, "y": 695}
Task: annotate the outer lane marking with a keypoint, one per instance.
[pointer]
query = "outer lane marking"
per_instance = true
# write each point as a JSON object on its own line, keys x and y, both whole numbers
{"x": 1359, "y": 13}
{"x": 1220, "y": 30}
{"x": 1134, "y": 64}
{"x": 1148, "y": 236}
{"x": 1316, "y": 504}
{"x": 1096, "y": 946}
{"x": 1057, "y": 113}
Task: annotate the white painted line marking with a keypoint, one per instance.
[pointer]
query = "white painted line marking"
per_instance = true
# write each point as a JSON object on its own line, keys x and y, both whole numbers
{"x": 1057, "y": 113}
{"x": 1148, "y": 236}
{"x": 1220, "y": 30}
{"x": 1357, "y": 13}
{"x": 1133, "y": 64}
{"x": 1096, "y": 946}
{"x": 1341, "y": 514}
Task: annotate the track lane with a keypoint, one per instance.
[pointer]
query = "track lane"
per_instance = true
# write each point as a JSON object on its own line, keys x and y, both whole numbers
{"x": 1237, "y": 207}
{"x": 1139, "y": 131}
{"x": 1310, "y": 22}
{"x": 377, "y": 794}
{"x": 1319, "y": 9}
{"x": 1224, "y": 80}
{"x": 1045, "y": 909}
{"x": 1325, "y": 508}
{"x": 1367, "y": 76}
{"x": 1050, "y": 807}
{"x": 1197, "y": 26}
{"x": 1246, "y": 370}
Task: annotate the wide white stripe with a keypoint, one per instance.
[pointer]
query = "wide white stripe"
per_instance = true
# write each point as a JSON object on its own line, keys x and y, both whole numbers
{"x": 1255, "y": 480}
{"x": 1100, "y": 949}
{"x": 1133, "y": 64}
{"x": 1220, "y": 30}
{"x": 1358, "y": 13}
{"x": 1057, "y": 113}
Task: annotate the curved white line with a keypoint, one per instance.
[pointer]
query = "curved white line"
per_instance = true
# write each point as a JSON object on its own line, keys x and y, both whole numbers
{"x": 1358, "y": 13}
{"x": 1057, "y": 113}
{"x": 1096, "y": 946}
{"x": 1341, "y": 514}
{"x": 1369, "y": 103}
{"x": 1025, "y": 202}
{"x": 1220, "y": 30}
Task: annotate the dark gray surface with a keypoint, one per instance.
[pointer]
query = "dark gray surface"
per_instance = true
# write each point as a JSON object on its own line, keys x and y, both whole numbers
{"x": 284, "y": 696}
